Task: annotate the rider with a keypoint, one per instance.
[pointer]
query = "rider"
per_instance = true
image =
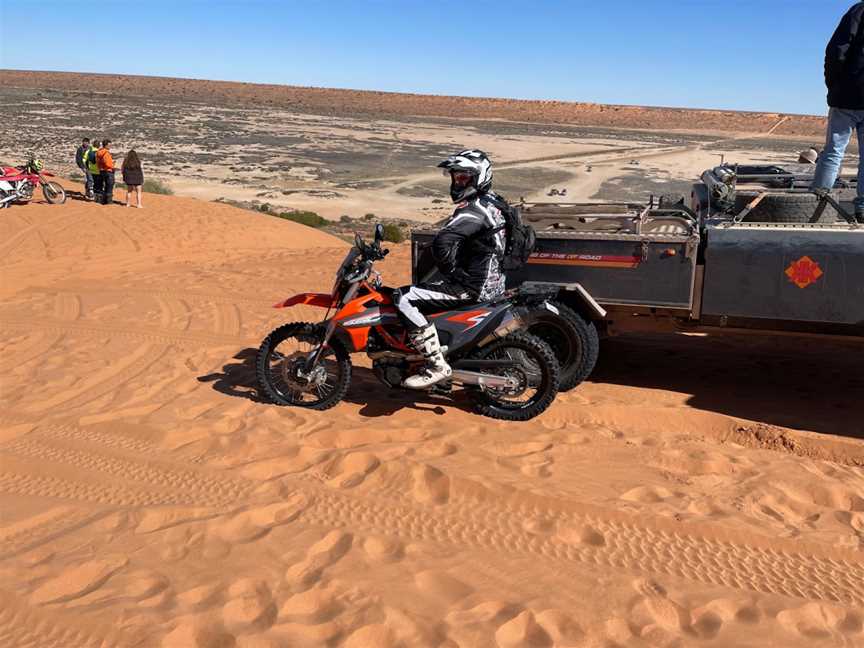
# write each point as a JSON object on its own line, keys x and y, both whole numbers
{"x": 468, "y": 252}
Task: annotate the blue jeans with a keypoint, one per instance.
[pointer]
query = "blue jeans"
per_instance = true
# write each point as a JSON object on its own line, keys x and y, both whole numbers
{"x": 88, "y": 182}
{"x": 841, "y": 123}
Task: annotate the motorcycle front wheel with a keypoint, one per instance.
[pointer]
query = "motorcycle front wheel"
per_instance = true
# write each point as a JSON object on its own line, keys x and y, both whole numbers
{"x": 536, "y": 372}
{"x": 281, "y": 368}
{"x": 54, "y": 193}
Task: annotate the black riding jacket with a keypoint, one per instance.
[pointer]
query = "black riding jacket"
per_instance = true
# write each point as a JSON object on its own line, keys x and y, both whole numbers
{"x": 844, "y": 62}
{"x": 468, "y": 249}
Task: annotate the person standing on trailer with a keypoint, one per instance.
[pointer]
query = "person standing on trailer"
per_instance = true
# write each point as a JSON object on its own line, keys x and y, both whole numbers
{"x": 844, "y": 77}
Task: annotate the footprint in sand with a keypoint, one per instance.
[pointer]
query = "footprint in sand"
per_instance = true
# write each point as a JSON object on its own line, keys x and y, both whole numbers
{"x": 440, "y": 586}
{"x": 662, "y": 620}
{"x": 819, "y": 621}
{"x": 522, "y": 631}
{"x": 491, "y": 612}
{"x": 314, "y": 606}
{"x": 250, "y": 607}
{"x": 398, "y": 630}
{"x": 201, "y": 597}
{"x": 514, "y": 450}
{"x": 584, "y": 534}
{"x": 273, "y": 467}
{"x": 383, "y": 548}
{"x": 194, "y": 632}
{"x": 255, "y": 523}
{"x": 560, "y": 627}
{"x": 321, "y": 555}
{"x": 646, "y": 494}
{"x": 352, "y": 470}
{"x": 430, "y": 485}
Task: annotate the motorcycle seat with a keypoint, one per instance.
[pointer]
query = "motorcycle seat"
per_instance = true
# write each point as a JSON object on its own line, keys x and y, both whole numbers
{"x": 434, "y": 309}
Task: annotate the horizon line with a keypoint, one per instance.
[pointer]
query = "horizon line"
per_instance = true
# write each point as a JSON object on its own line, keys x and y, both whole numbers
{"x": 424, "y": 94}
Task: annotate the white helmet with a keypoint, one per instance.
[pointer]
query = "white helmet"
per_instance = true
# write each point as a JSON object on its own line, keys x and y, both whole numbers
{"x": 470, "y": 173}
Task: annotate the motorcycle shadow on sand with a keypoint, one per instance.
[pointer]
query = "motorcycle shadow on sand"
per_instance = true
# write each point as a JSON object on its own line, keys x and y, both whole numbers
{"x": 238, "y": 379}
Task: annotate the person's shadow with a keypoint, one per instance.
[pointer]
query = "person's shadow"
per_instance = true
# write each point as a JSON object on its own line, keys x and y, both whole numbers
{"x": 239, "y": 379}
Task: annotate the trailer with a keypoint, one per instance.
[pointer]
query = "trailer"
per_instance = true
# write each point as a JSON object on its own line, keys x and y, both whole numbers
{"x": 753, "y": 253}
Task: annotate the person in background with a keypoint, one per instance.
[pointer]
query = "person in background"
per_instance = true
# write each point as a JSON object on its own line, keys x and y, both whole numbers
{"x": 106, "y": 170}
{"x": 844, "y": 77}
{"x": 81, "y": 161}
{"x": 810, "y": 156}
{"x": 133, "y": 176}
{"x": 93, "y": 167}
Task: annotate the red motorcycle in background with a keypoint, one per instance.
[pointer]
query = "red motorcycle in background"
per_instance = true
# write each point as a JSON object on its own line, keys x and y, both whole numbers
{"x": 17, "y": 184}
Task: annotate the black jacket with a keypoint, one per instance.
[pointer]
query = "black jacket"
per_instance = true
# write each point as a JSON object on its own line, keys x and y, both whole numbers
{"x": 467, "y": 249}
{"x": 844, "y": 62}
{"x": 133, "y": 177}
{"x": 79, "y": 156}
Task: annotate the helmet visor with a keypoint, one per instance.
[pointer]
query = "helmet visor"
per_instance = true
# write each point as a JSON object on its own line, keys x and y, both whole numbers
{"x": 461, "y": 179}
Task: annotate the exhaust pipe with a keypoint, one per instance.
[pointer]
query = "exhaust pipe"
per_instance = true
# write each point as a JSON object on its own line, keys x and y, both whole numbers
{"x": 483, "y": 380}
{"x": 8, "y": 198}
{"x": 511, "y": 324}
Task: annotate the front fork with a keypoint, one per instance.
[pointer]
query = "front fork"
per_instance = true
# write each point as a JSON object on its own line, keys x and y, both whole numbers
{"x": 315, "y": 356}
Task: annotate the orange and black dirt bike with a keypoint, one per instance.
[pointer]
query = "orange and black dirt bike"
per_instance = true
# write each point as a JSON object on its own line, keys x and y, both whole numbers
{"x": 506, "y": 372}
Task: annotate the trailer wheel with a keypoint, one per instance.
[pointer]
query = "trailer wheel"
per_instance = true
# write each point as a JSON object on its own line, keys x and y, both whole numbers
{"x": 573, "y": 339}
{"x": 784, "y": 208}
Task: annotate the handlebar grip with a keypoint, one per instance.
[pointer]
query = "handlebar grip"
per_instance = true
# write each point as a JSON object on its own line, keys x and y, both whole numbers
{"x": 385, "y": 252}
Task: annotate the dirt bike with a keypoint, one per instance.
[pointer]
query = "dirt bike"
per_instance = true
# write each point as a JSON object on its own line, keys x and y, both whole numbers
{"x": 18, "y": 183}
{"x": 506, "y": 372}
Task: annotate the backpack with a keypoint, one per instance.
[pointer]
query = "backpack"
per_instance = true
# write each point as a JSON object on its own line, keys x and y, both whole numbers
{"x": 91, "y": 156}
{"x": 520, "y": 237}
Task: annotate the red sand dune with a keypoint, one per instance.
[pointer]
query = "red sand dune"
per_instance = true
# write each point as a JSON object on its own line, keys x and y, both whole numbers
{"x": 148, "y": 497}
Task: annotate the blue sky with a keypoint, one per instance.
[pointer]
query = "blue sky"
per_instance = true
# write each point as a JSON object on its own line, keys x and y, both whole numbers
{"x": 734, "y": 54}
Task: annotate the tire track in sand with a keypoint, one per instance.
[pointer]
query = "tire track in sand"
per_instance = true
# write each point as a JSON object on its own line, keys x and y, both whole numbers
{"x": 155, "y": 335}
{"x": 13, "y": 241}
{"x": 158, "y": 478}
{"x": 34, "y": 348}
{"x": 67, "y": 307}
{"x": 103, "y": 382}
{"x": 175, "y": 313}
{"x": 21, "y": 626}
{"x": 637, "y": 545}
{"x": 227, "y": 319}
{"x": 43, "y": 527}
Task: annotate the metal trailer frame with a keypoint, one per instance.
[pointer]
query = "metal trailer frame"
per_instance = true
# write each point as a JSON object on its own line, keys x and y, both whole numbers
{"x": 722, "y": 183}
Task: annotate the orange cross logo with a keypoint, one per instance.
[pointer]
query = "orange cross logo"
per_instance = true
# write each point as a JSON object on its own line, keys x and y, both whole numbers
{"x": 804, "y": 272}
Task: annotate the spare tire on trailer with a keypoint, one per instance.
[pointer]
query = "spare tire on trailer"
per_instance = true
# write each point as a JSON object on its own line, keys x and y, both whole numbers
{"x": 783, "y": 208}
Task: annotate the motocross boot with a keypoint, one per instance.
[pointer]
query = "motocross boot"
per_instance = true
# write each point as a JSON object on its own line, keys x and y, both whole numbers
{"x": 425, "y": 340}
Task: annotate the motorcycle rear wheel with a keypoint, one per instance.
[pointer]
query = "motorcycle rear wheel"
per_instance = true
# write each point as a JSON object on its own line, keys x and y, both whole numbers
{"x": 539, "y": 372}
{"x": 279, "y": 368}
{"x": 54, "y": 193}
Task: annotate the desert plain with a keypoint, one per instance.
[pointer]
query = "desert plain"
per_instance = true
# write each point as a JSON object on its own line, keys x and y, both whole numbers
{"x": 695, "y": 491}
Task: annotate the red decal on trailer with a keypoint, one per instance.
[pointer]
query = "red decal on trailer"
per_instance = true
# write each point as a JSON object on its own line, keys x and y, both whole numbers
{"x": 804, "y": 272}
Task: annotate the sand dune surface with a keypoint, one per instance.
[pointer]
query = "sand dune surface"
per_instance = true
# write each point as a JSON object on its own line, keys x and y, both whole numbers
{"x": 149, "y": 497}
